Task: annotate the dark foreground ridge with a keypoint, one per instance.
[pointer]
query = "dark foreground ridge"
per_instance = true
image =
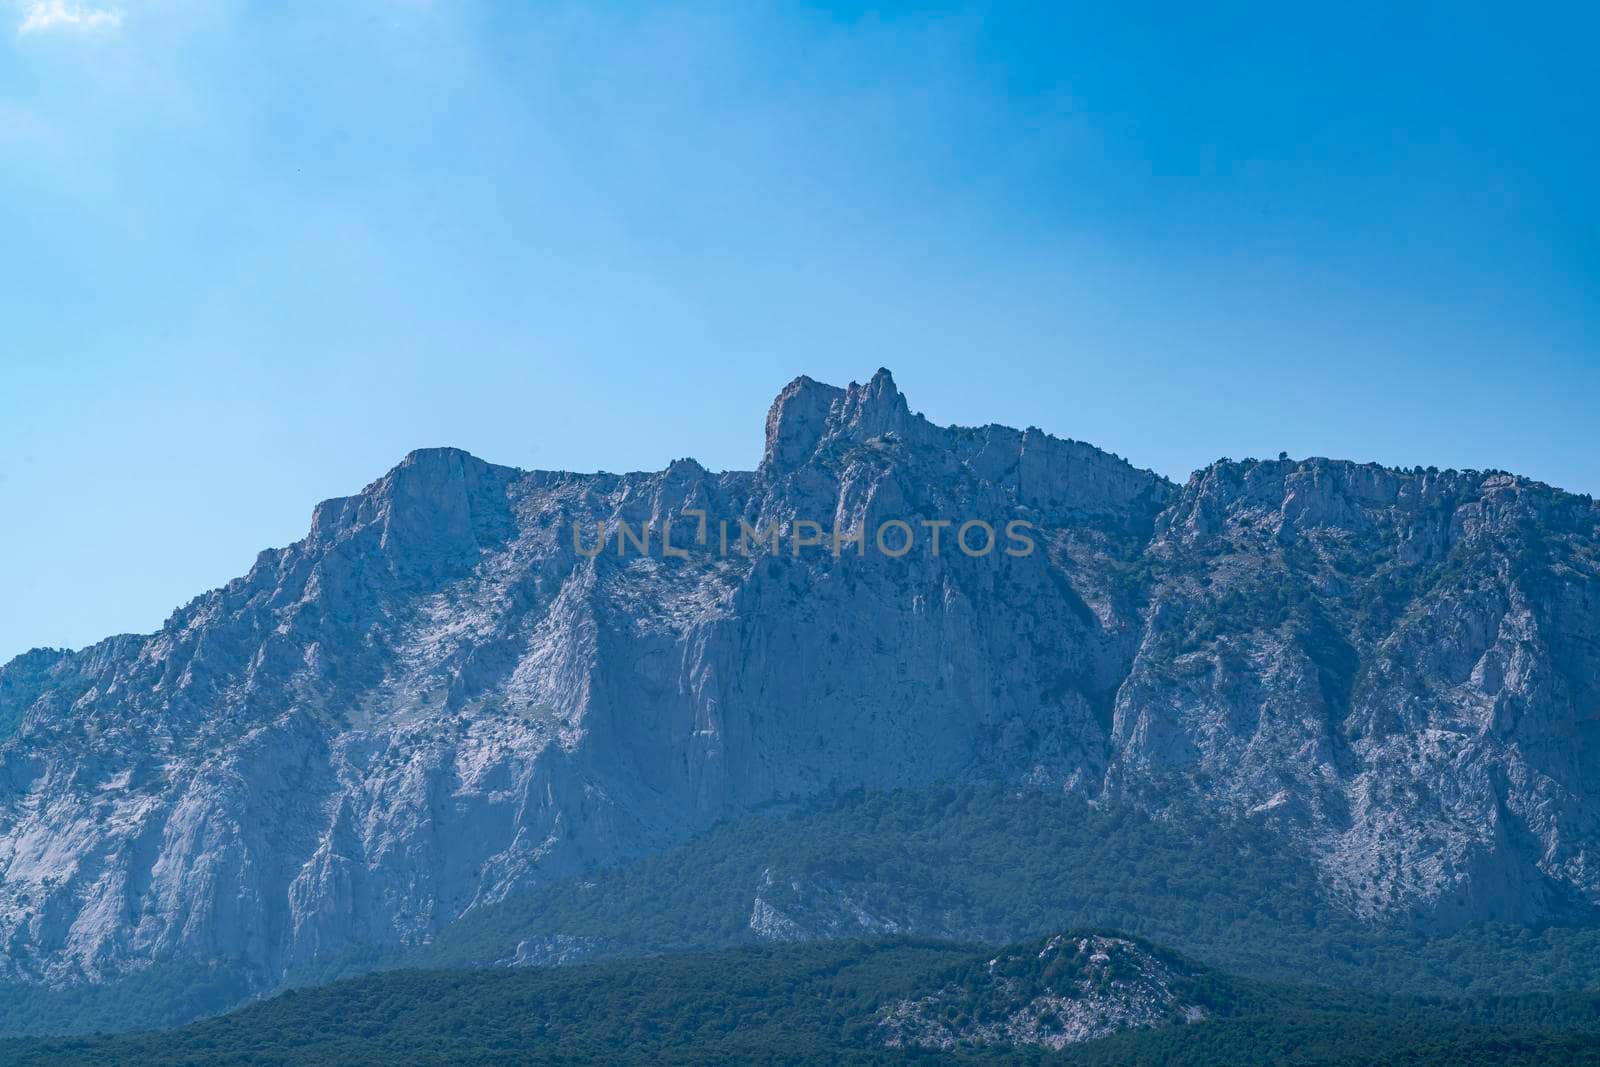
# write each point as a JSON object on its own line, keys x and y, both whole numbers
{"x": 1077, "y": 997}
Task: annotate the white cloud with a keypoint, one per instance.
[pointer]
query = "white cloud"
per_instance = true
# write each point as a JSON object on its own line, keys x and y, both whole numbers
{"x": 40, "y": 15}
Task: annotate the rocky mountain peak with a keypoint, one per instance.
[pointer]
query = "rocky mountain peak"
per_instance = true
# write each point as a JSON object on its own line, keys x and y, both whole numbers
{"x": 874, "y": 409}
{"x": 807, "y": 416}
{"x": 797, "y": 421}
{"x": 438, "y": 507}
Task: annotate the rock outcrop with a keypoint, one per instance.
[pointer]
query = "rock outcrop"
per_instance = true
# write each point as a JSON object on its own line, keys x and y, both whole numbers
{"x": 1071, "y": 989}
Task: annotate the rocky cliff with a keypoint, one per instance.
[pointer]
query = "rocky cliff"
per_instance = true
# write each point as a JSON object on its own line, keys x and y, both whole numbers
{"x": 1071, "y": 989}
{"x": 468, "y": 678}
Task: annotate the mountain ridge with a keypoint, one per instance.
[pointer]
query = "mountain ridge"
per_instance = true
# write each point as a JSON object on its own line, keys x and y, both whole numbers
{"x": 801, "y": 383}
{"x": 438, "y": 697}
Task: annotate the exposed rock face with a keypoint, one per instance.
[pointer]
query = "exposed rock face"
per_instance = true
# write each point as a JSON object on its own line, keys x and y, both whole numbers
{"x": 1402, "y": 667}
{"x": 795, "y": 908}
{"x": 442, "y": 694}
{"x": 1074, "y": 989}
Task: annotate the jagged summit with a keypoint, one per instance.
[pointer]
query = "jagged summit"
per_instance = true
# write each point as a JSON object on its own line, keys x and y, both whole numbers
{"x": 808, "y": 416}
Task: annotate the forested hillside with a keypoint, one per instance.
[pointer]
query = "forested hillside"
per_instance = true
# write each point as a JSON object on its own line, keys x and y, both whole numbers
{"x": 874, "y": 1002}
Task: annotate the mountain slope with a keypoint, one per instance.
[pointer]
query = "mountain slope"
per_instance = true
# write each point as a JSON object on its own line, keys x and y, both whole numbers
{"x": 987, "y": 864}
{"x": 440, "y": 698}
{"x": 976, "y": 864}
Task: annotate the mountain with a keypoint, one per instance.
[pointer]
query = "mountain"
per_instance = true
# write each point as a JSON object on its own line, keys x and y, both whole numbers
{"x": 469, "y": 682}
{"x": 1081, "y": 997}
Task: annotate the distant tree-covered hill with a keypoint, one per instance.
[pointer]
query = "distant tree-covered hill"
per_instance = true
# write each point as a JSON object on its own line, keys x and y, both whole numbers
{"x": 1082, "y": 997}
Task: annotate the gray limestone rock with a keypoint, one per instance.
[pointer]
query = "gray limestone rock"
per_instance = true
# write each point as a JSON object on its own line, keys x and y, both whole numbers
{"x": 445, "y": 693}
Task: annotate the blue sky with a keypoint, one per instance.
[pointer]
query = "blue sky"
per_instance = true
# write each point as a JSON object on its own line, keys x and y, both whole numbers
{"x": 254, "y": 253}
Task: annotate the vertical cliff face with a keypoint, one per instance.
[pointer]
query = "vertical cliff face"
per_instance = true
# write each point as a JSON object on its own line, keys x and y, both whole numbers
{"x": 468, "y": 678}
{"x": 1398, "y": 666}
{"x": 446, "y": 692}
